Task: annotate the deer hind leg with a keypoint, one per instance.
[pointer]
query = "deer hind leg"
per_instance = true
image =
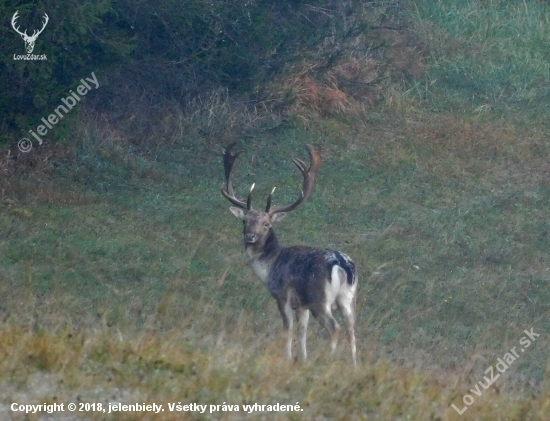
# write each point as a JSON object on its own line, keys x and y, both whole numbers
{"x": 346, "y": 304}
{"x": 288, "y": 319}
{"x": 303, "y": 319}
{"x": 325, "y": 318}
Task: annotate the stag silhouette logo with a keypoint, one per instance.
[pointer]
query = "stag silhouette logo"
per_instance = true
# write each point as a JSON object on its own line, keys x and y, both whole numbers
{"x": 29, "y": 40}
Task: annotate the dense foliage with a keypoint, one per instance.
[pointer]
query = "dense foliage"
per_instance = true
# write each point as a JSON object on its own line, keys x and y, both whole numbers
{"x": 173, "y": 48}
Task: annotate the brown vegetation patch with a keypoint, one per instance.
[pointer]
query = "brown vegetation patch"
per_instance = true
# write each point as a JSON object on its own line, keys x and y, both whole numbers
{"x": 406, "y": 54}
{"x": 349, "y": 75}
{"x": 448, "y": 134}
{"x": 28, "y": 176}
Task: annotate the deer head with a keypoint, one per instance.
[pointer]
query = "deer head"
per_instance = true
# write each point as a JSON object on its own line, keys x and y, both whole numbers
{"x": 29, "y": 40}
{"x": 257, "y": 224}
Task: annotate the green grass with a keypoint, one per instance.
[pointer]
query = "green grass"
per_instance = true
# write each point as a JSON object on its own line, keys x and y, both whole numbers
{"x": 485, "y": 56}
{"x": 452, "y": 264}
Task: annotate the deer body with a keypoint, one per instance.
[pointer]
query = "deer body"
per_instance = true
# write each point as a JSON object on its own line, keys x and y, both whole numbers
{"x": 301, "y": 279}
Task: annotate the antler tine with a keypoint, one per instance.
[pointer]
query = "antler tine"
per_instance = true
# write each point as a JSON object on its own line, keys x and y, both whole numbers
{"x": 227, "y": 190}
{"x": 302, "y": 166}
{"x": 249, "y": 198}
{"x": 309, "y": 174}
{"x": 269, "y": 199}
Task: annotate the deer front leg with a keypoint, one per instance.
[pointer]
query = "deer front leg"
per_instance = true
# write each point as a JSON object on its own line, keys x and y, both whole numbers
{"x": 288, "y": 319}
{"x": 303, "y": 319}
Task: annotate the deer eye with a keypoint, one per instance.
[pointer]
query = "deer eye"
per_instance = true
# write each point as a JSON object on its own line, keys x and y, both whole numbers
{"x": 266, "y": 224}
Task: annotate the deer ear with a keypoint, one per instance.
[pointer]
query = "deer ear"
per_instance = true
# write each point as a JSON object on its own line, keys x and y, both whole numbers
{"x": 276, "y": 217}
{"x": 238, "y": 212}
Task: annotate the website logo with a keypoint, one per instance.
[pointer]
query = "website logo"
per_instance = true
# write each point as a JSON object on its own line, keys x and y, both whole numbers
{"x": 29, "y": 40}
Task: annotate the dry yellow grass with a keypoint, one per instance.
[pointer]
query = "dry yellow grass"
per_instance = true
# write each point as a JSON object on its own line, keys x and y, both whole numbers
{"x": 108, "y": 365}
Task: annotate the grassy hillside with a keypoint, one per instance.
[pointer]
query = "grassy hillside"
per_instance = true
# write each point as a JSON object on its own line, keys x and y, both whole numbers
{"x": 487, "y": 57}
{"x": 123, "y": 277}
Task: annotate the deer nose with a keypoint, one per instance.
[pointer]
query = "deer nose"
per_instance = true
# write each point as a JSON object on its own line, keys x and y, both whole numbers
{"x": 250, "y": 238}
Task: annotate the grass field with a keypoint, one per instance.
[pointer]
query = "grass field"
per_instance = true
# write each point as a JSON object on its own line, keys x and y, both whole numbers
{"x": 123, "y": 277}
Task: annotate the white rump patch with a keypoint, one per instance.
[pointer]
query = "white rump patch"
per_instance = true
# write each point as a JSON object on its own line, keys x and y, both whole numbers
{"x": 345, "y": 297}
{"x": 338, "y": 290}
{"x": 332, "y": 288}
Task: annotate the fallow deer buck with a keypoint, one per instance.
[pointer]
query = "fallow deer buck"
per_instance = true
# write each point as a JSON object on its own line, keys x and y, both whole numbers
{"x": 301, "y": 279}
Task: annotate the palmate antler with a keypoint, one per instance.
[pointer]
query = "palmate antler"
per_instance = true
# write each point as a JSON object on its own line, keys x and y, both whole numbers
{"x": 309, "y": 174}
{"x": 227, "y": 190}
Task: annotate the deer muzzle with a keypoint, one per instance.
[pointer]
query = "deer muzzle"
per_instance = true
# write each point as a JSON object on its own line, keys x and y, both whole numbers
{"x": 250, "y": 238}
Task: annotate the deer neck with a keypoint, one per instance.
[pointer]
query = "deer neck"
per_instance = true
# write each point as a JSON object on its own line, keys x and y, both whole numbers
{"x": 262, "y": 255}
